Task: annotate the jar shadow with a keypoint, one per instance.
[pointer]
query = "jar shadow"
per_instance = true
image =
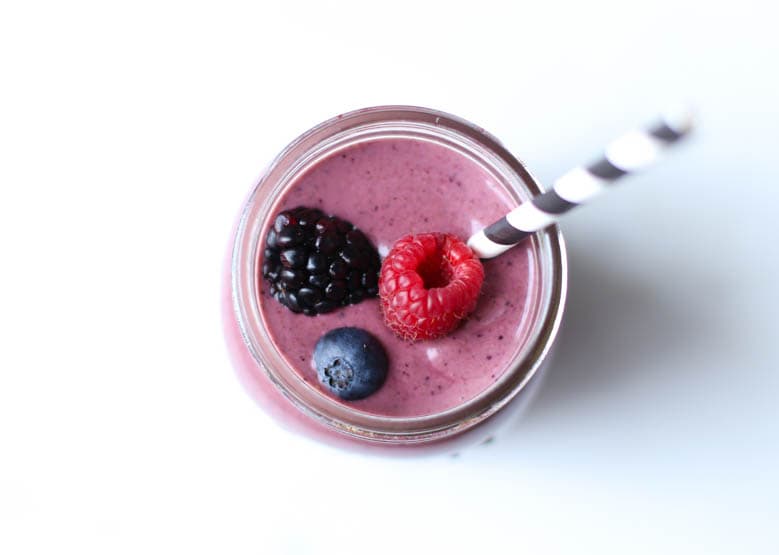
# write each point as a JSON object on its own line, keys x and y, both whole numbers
{"x": 617, "y": 319}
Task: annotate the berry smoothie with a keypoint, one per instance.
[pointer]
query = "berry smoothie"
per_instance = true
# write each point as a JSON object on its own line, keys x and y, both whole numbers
{"x": 389, "y": 188}
{"x": 319, "y": 356}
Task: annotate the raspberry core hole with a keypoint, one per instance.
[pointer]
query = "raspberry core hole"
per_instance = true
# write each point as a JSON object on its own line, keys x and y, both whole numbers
{"x": 436, "y": 271}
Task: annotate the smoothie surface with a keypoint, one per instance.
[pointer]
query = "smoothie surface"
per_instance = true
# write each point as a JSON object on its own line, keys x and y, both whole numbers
{"x": 390, "y": 188}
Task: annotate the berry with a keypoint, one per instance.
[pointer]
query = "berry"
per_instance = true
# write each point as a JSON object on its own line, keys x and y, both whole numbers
{"x": 428, "y": 284}
{"x": 350, "y": 362}
{"x": 314, "y": 263}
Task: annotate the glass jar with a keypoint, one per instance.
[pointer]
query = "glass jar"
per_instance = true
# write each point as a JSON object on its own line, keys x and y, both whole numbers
{"x": 297, "y": 404}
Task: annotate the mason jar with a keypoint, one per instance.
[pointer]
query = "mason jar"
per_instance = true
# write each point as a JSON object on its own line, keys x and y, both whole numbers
{"x": 300, "y": 404}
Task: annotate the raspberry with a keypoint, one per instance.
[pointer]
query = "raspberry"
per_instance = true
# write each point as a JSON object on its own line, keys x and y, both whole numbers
{"x": 428, "y": 284}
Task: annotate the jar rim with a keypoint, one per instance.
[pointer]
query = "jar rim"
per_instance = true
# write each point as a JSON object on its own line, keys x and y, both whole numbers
{"x": 305, "y": 151}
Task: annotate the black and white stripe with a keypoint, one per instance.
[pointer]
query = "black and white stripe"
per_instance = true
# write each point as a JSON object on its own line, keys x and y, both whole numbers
{"x": 629, "y": 153}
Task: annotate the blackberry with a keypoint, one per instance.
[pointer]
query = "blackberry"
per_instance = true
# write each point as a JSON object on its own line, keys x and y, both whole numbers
{"x": 315, "y": 263}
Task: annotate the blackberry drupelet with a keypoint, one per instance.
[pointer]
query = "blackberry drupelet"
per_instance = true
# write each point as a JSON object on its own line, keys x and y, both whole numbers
{"x": 315, "y": 263}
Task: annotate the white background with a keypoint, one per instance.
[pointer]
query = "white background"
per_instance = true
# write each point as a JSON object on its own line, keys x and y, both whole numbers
{"x": 129, "y": 134}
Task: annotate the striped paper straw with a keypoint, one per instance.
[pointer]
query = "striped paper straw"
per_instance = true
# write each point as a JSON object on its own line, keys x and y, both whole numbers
{"x": 629, "y": 153}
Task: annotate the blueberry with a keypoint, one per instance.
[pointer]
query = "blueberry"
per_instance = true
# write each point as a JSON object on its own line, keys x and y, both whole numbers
{"x": 350, "y": 362}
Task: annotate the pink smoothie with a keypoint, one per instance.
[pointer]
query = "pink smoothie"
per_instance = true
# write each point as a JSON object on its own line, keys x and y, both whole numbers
{"x": 390, "y": 188}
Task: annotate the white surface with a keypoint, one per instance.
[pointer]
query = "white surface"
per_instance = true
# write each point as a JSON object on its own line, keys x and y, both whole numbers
{"x": 128, "y": 137}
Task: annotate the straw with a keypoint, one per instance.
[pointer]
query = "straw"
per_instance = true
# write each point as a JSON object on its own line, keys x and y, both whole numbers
{"x": 629, "y": 153}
